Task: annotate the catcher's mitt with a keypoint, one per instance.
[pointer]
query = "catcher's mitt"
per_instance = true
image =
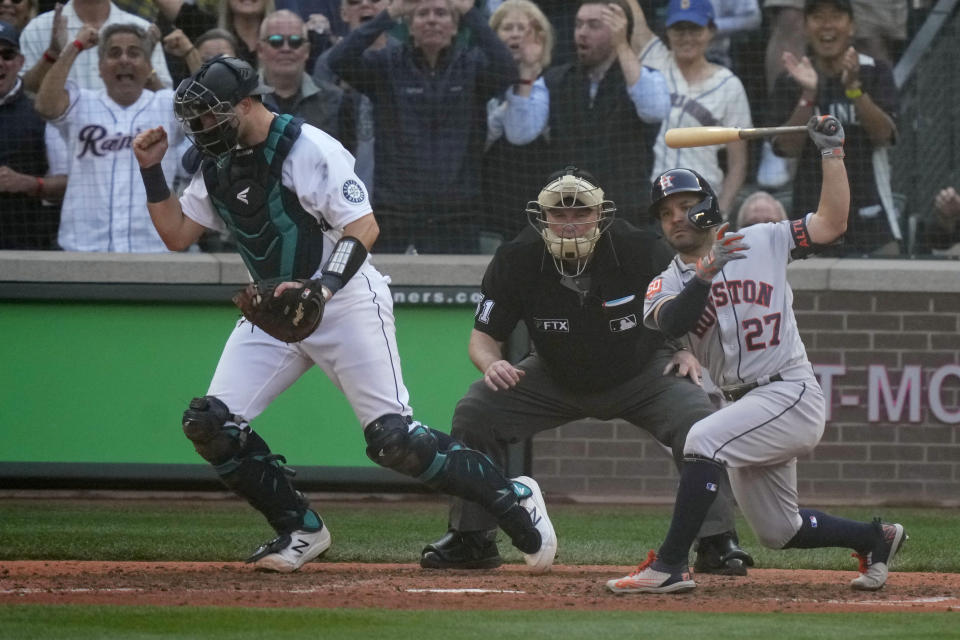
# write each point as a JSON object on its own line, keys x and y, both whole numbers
{"x": 290, "y": 317}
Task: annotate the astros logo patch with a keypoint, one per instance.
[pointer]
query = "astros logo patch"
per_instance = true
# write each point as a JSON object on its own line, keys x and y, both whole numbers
{"x": 353, "y": 192}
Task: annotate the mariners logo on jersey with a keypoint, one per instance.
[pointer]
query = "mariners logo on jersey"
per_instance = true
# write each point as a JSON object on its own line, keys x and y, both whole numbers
{"x": 353, "y": 192}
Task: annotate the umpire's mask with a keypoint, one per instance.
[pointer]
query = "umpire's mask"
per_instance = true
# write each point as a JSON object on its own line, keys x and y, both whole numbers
{"x": 571, "y": 214}
{"x": 204, "y": 102}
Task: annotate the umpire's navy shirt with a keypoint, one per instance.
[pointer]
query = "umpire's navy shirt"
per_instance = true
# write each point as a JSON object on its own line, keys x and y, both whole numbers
{"x": 590, "y": 342}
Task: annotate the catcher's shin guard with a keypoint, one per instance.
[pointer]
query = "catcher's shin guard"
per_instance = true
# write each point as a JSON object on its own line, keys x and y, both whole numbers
{"x": 244, "y": 463}
{"x": 444, "y": 464}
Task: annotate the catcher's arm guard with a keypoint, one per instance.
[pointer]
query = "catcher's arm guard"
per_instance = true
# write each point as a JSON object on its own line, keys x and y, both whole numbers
{"x": 345, "y": 260}
{"x": 289, "y": 317}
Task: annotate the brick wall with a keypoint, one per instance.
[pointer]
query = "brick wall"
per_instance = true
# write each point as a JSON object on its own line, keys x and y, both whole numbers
{"x": 891, "y": 361}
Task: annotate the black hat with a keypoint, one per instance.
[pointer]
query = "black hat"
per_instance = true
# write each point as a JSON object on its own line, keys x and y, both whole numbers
{"x": 843, "y": 5}
{"x": 9, "y": 33}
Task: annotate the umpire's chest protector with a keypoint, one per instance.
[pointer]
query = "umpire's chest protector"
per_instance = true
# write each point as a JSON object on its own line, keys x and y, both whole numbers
{"x": 277, "y": 239}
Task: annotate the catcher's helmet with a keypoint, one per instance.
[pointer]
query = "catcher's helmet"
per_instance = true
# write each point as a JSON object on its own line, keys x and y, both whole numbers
{"x": 570, "y": 188}
{"x": 214, "y": 90}
{"x": 703, "y": 215}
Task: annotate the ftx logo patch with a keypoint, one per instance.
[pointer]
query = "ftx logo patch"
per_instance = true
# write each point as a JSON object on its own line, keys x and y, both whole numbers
{"x": 557, "y": 325}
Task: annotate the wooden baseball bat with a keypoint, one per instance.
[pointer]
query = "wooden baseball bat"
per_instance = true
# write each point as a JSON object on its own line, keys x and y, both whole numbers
{"x": 706, "y": 136}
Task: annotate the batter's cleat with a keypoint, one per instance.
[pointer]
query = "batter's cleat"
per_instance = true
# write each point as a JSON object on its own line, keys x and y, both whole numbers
{"x": 721, "y": 555}
{"x": 531, "y": 500}
{"x": 875, "y": 565}
{"x": 288, "y": 552}
{"x": 462, "y": 550}
{"x": 647, "y": 579}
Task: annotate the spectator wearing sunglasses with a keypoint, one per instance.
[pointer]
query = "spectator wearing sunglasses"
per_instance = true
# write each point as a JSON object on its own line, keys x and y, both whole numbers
{"x": 430, "y": 95}
{"x": 283, "y": 50}
{"x": 25, "y": 222}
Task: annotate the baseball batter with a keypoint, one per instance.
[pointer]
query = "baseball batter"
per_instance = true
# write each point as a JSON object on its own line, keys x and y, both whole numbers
{"x": 302, "y": 219}
{"x": 727, "y": 295}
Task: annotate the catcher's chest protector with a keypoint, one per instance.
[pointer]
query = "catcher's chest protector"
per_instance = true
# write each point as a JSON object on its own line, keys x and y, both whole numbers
{"x": 278, "y": 240}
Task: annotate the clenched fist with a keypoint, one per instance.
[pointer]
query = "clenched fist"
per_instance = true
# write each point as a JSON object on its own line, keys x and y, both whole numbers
{"x": 150, "y": 146}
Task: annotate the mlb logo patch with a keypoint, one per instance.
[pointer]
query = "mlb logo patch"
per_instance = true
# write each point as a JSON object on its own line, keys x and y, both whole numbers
{"x": 623, "y": 324}
{"x": 711, "y": 487}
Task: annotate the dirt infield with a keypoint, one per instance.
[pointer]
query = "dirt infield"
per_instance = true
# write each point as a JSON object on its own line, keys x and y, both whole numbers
{"x": 399, "y": 586}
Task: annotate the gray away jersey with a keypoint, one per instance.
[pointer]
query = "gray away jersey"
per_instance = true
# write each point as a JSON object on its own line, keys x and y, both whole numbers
{"x": 747, "y": 329}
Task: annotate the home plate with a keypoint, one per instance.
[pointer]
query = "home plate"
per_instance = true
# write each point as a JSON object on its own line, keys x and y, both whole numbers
{"x": 463, "y": 591}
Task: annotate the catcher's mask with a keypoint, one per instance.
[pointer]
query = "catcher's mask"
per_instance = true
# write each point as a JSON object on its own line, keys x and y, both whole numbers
{"x": 204, "y": 103}
{"x": 703, "y": 215}
{"x": 568, "y": 241}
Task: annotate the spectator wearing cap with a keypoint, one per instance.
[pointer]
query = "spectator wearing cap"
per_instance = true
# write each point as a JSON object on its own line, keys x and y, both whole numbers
{"x": 25, "y": 222}
{"x": 606, "y": 106}
{"x": 836, "y": 79}
{"x": 702, "y": 94}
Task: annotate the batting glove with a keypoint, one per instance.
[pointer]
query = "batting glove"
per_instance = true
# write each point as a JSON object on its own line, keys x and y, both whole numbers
{"x": 827, "y": 133}
{"x": 726, "y": 247}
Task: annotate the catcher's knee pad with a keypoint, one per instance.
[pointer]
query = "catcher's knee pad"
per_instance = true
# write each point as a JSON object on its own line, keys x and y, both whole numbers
{"x": 392, "y": 444}
{"x": 215, "y": 432}
{"x": 439, "y": 461}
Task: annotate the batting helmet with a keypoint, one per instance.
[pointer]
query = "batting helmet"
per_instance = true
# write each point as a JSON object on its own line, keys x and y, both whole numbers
{"x": 570, "y": 188}
{"x": 704, "y": 214}
{"x": 204, "y": 102}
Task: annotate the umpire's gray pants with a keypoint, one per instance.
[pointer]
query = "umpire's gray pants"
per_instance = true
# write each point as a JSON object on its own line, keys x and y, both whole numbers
{"x": 664, "y": 406}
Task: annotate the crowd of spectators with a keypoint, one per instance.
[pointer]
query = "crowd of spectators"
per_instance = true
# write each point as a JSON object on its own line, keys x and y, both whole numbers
{"x": 455, "y": 110}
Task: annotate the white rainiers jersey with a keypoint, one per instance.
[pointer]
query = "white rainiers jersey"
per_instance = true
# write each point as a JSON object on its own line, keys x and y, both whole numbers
{"x": 747, "y": 329}
{"x": 105, "y": 206}
{"x": 319, "y": 170}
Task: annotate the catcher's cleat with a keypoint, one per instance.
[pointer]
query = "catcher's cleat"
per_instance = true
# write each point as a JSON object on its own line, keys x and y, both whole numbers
{"x": 647, "y": 579}
{"x": 462, "y": 550}
{"x": 528, "y": 491}
{"x": 288, "y": 552}
{"x": 721, "y": 555}
{"x": 875, "y": 564}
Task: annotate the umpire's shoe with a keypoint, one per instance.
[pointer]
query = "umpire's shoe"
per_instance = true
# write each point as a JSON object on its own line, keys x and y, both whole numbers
{"x": 290, "y": 551}
{"x": 462, "y": 550}
{"x": 721, "y": 555}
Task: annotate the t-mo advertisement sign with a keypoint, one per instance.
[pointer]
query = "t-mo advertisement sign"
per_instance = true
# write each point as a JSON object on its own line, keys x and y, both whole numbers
{"x": 891, "y": 400}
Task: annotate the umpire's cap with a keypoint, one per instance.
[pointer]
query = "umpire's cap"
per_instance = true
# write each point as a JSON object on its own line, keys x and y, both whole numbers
{"x": 703, "y": 215}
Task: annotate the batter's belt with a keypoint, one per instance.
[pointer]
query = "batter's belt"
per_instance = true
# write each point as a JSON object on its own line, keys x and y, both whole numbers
{"x": 734, "y": 392}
